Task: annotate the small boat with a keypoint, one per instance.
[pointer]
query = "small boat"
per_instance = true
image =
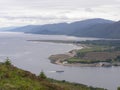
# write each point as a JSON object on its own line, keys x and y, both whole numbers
{"x": 60, "y": 71}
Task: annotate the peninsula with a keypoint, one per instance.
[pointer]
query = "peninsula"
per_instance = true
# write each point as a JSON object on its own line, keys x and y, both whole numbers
{"x": 94, "y": 53}
{"x": 97, "y": 53}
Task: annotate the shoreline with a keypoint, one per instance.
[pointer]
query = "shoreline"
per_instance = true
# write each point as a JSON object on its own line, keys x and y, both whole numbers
{"x": 58, "y": 58}
{"x": 61, "y": 59}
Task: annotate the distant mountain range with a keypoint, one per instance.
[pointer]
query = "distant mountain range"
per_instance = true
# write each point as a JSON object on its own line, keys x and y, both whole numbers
{"x": 7, "y": 28}
{"x": 97, "y": 27}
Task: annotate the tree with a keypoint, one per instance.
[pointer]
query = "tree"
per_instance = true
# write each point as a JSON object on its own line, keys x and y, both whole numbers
{"x": 42, "y": 75}
{"x": 118, "y": 88}
{"x": 7, "y": 61}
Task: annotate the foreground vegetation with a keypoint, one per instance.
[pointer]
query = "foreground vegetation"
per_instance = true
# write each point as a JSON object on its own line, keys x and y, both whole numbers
{"x": 13, "y": 78}
{"x": 118, "y": 88}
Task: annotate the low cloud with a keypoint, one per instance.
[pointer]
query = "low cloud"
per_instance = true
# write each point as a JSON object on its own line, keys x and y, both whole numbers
{"x": 25, "y": 12}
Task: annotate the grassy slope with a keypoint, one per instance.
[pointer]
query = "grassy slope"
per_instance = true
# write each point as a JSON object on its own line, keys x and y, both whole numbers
{"x": 13, "y": 78}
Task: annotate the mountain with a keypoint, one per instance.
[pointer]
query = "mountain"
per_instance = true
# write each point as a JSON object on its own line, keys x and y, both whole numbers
{"x": 113, "y": 30}
{"x": 97, "y": 27}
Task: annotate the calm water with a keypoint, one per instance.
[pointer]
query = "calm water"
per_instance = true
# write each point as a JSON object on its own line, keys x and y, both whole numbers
{"x": 33, "y": 56}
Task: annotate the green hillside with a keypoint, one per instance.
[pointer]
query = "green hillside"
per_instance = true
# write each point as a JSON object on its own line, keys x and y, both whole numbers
{"x": 13, "y": 78}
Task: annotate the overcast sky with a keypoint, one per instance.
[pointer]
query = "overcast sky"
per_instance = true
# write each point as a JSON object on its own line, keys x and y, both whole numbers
{"x": 25, "y": 12}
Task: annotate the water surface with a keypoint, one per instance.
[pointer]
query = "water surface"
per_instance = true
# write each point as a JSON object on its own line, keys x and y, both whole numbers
{"x": 33, "y": 56}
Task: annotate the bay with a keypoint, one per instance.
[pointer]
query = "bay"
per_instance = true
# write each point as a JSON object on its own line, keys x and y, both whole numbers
{"x": 33, "y": 56}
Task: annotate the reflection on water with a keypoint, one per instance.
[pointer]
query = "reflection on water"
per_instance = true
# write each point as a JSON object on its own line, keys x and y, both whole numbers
{"x": 34, "y": 57}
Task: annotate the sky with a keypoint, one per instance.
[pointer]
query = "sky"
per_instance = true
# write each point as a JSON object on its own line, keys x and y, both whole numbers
{"x": 32, "y": 12}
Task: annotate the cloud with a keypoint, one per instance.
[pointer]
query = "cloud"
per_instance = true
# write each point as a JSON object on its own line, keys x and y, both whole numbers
{"x": 25, "y": 12}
